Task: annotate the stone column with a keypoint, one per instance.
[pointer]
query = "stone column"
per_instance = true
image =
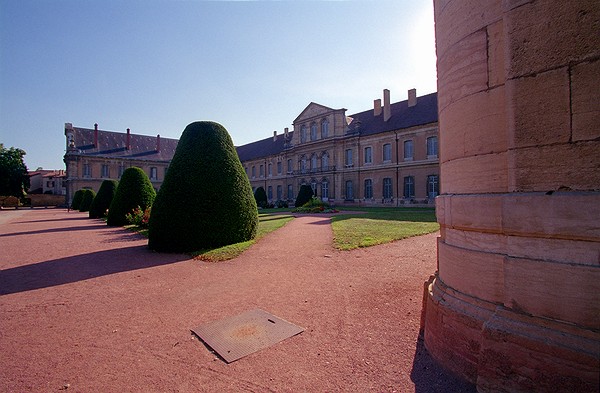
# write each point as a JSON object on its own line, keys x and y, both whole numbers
{"x": 515, "y": 303}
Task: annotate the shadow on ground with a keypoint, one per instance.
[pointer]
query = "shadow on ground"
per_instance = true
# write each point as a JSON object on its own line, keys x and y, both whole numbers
{"x": 82, "y": 267}
{"x": 429, "y": 377}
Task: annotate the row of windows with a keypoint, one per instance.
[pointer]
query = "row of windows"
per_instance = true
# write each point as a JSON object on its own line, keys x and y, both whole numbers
{"x": 105, "y": 171}
{"x": 304, "y": 135}
{"x": 432, "y": 151}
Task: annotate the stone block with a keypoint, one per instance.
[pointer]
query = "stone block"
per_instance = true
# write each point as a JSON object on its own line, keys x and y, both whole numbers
{"x": 462, "y": 69}
{"x": 585, "y": 100}
{"x": 562, "y": 215}
{"x": 477, "y": 174}
{"x": 474, "y": 273}
{"x": 556, "y": 250}
{"x": 547, "y": 34}
{"x": 482, "y": 213}
{"x": 558, "y": 291}
{"x": 474, "y": 125}
{"x": 479, "y": 241}
{"x": 496, "y": 55}
{"x": 538, "y": 109}
{"x": 548, "y": 168}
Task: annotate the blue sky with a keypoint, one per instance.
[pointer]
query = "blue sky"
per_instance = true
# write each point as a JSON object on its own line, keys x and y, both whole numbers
{"x": 156, "y": 66}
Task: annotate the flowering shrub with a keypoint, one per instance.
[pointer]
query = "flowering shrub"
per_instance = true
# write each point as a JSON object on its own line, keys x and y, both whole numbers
{"x": 315, "y": 205}
{"x": 139, "y": 217}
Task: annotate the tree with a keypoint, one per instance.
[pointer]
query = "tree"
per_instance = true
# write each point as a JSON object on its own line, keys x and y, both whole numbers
{"x": 304, "y": 195}
{"x": 14, "y": 179}
{"x": 102, "y": 200}
{"x": 261, "y": 197}
{"x": 86, "y": 201}
{"x": 206, "y": 199}
{"x": 77, "y": 198}
{"x": 134, "y": 190}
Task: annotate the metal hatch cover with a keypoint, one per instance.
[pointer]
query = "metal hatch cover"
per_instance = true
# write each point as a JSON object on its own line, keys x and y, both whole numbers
{"x": 240, "y": 335}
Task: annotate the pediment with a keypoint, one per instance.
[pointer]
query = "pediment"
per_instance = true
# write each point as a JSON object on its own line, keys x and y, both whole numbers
{"x": 311, "y": 111}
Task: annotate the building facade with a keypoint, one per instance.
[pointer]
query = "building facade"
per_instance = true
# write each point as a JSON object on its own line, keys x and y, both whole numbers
{"x": 384, "y": 156}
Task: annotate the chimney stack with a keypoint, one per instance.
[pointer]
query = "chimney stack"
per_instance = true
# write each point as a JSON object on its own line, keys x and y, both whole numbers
{"x": 377, "y": 107}
{"x": 128, "y": 141}
{"x": 96, "y": 135}
{"x": 158, "y": 143}
{"x": 387, "y": 111}
{"x": 285, "y": 132}
{"x": 412, "y": 97}
{"x": 274, "y": 136}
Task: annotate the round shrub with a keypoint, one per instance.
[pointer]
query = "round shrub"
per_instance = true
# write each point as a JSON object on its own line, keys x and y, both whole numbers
{"x": 206, "y": 200}
{"x": 134, "y": 190}
{"x": 261, "y": 197}
{"x": 77, "y": 197}
{"x": 103, "y": 198}
{"x": 305, "y": 193}
{"x": 86, "y": 200}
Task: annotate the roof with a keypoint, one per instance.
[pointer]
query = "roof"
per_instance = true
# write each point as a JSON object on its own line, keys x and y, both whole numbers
{"x": 113, "y": 144}
{"x": 263, "y": 148}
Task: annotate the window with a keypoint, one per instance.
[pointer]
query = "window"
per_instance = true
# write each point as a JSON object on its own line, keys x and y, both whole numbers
{"x": 348, "y": 157}
{"x": 368, "y": 189}
{"x": 87, "y": 170}
{"x": 49, "y": 184}
{"x": 153, "y": 173}
{"x": 279, "y": 192}
{"x": 324, "y": 189}
{"x": 387, "y": 152}
{"x": 261, "y": 171}
{"x": 325, "y": 161}
{"x": 290, "y": 191}
{"x": 279, "y": 167}
{"x": 253, "y": 171}
{"x": 105, "y": 171}
{"x": 270, "y": 169}
{"x": 324, "y": 128}
{"x": 290, "y": 166}
{"x": 387, "y": 188}
{"x": 409, "y": 187}
{"x": 408, "y": 150}
{"x": 122, "y": 169}
{"x": 270, "y": 193}
{"x": 313, "y": 132}
{"x": 313, "y": 185}
{"x": 433, "y": 186}
{"x": 167, "y": 168}
{"x": 313, "y": 163}
{"x": 349, "y": 190}
{"x": 303, "y": 164}
{"x": 432, "y": 147}
{"x": 303, "y": 134}
{"x": 368, "y": 155}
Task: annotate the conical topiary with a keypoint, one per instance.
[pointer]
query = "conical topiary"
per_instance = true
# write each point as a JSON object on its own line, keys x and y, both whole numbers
{"x": 103, "y": 198}
{"x": 205, "y": 200}
{"x": 77, "y": 197}
{"x": 261, "y": 197}
{"x": 134, "y": 190}
{"x": 86, "y": 200}
{"x": 305, "y": 194}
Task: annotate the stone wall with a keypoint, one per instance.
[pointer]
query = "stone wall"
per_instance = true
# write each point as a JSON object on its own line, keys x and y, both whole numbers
{"x": 515, "y": 304}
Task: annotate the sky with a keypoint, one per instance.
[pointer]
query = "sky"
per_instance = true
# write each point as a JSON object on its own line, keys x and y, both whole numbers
{"x": 156, "y": 66}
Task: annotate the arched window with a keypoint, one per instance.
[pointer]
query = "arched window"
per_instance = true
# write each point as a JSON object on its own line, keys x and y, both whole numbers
{"x": 324, "y": 128}
{"x": 324, "y": 189}
{"x": 303, "y": 134}
{"x": 368, "y": 188}
{"x": 313, "y": 132}
{"x": 325, "y": 161}
{"x": 313, "y": 163}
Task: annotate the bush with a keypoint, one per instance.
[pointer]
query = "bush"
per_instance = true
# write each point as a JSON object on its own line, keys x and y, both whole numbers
{"x": 103, "y": 198}
{"x": 139, "y": 217}
{"x": 261, "y": 197}
{"x": 315, "y": 205}
{"x": 77, "y": 198}
{"x": 86, "y": 200}
{"x": 206, "y": 200}
{"x": 281, "y": 204}
{"x": 133, "y": 190}
{"x": 305, "y": 193}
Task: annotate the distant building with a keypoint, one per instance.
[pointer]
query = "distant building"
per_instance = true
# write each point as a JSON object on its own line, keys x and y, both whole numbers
{"x": 387, "y": 155}
{"x": 44, "y": 181}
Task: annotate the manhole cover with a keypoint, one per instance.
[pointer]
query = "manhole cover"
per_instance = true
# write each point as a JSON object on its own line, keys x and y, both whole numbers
{"x": 235, "y": 337}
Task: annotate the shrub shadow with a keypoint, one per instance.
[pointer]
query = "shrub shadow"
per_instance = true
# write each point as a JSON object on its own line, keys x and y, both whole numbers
{"x": 50, "y": 230}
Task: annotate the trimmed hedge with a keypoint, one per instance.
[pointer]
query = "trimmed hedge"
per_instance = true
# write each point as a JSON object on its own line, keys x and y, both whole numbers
{"x": 103, "y": 198}
{"x": 206, "y": 200}
{"x": 261, "y": 197}
{"x": 134, "y": 189}
{"x": 77, "y": 198}
{"x": 305, "y": 194}
{"x": 86, "y": 201}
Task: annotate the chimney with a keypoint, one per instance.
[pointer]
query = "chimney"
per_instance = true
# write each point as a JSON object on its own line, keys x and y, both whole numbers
{"x": 377, "y": 107}
{"x": 128, "y": 140}
{"x": 158, "y": 143}
{"x": 274, "y": 136}
{"x": 387, "y": 111}
{"x": 96, "y": 135}
{"x": 412, "y": 97}
{"x": 285, "y": 132}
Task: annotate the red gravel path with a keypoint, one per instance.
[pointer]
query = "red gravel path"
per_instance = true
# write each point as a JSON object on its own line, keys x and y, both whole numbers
{"x": 88, "y": 308}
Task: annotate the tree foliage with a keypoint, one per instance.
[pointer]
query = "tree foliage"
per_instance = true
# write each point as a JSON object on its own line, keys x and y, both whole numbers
{"x": 206, "y": 200}
{"x": 134, "y": 190}
{"x": 14, "y": 179}
{"x": 261, "y": 197}
{"x": 102, "y": 200}
{"x": 305, "y": 193}
{"x": 77, "y": 198}
{"x": 86, "y": 200}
